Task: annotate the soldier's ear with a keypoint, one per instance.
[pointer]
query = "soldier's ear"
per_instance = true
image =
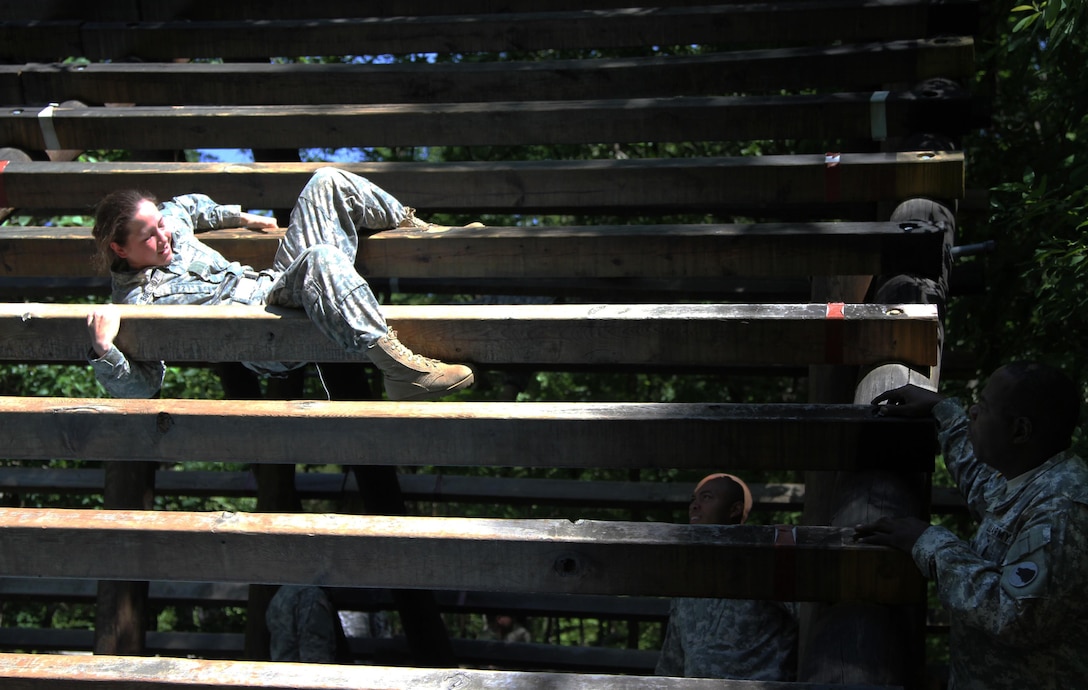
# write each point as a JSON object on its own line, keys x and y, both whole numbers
{"x": 736, "y": 513}
{"x": 1021, "y": 430}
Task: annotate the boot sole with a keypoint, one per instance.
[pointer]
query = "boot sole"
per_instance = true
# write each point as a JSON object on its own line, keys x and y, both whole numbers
{"x": 425, "y": 394}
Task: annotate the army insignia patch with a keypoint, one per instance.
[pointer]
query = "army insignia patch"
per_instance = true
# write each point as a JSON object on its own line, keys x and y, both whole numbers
{"x": 1022, "y": 574}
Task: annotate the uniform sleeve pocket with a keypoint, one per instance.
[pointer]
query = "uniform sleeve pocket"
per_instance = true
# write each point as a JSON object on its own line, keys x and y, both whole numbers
{"x": 1024, "y": 571}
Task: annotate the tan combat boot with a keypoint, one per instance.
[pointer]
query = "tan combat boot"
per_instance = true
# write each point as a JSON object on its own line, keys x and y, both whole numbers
{"x": 409, "y": 376}
{"x": 413, "y": 221}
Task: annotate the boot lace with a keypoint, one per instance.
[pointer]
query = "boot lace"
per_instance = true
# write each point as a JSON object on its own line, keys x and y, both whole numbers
{"x": 397, "y": 345}
{"x": 412, "y": 221}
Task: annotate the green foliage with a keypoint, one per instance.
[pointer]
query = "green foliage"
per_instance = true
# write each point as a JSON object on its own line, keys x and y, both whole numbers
{"x": 1033, "y": 161}
{"x": 1059, "y": 19}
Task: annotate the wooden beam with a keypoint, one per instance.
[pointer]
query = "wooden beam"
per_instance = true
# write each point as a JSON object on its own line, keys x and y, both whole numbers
{"x": 628, "y": 435}
{"x": 436, "y": 488}
{"x": 585, "y": 290}
{"x": 53, "y": 672}
{"x": 653, "y": 609}
{"x": 73, "y": 590}
{"x": 845, "y": 67}
{"x": 702, "y": 335}
{"x": 597, "y": 606}
{"x": 784, "y": 23}
{"x": 165, "y": 10}
{"x": 643, "y": 252}
{"x": 762, "y": 183}
{"x": 480, "y": 653}
{"x": 504, "y": 123}
{"x": 557, "y": 556}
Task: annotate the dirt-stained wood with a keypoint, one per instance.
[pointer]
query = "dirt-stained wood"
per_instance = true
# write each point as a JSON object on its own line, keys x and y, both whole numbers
{"x": 558, "y": 556}
{"x": 644, "y": 252}
{"x": 629, "y": 435}
{"x": 698, "y": 335}
{"x": 32, "y": 672}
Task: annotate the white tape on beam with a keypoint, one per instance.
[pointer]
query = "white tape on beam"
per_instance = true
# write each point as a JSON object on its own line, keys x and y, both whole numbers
{"x": 49, "y": 134}
{"x": 878, "y": 116}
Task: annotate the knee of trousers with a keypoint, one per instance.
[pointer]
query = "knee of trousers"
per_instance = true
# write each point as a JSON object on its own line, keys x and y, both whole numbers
{"x": 335, "y": 177}
{"x": 324, "y": 257}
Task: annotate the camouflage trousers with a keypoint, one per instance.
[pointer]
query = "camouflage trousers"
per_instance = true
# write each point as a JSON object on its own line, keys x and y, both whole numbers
{"x": 302, "y": 624}
{"x": 316, "y": 257}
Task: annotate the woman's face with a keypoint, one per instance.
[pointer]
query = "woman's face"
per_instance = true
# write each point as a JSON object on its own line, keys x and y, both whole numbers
{"x": 148, "y": 241}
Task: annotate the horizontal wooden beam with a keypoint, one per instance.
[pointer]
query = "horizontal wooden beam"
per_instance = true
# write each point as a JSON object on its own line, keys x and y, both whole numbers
{"x": 557, "y": 556}
{"x": 617, "y": 435}
{"x": 648, "y": 609}
{"x": 849, "y": 116}
{"x": 468, "y": 652}
{"x": 845, "y": 67}
{"x": 784, "y": 23}
{"x": 54, "y": 589}
{"x": 495, "y": 291}
{"x": 166, "y": 10}
{"x": 676, "y": 253}
{"x": 697, "y": 335}
{"x": 55, "y": 672}
{"x": 763, "y": 184}
{"x": 434, "y": 488}
{"x": 595, "y": 606}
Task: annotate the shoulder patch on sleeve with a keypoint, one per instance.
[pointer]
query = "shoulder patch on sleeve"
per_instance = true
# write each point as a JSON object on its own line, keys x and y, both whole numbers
{"x": 1024, "y": 572}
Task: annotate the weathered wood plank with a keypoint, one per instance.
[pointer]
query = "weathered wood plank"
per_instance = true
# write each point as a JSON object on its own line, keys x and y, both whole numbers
{"x": 53, "y": 672}
{"x": 435, "y": 488}
{"x": 761, "y": 183}
{"x": 749, "y": 290}
{"x": 558, "y": 556}
{"x": 652, "y": 609}
{"x": 697, "y": 335}
{"x": 52, "y": 589}
{"x": 620, "y": 435}
{"x": 480, "y": 653}
{"x": 504, "y": 123}
{"x": 600, "y": 606}
{"x": 645, "y": 252}
{"x": 847, "y": 67}
{"x": 784, "y": 23}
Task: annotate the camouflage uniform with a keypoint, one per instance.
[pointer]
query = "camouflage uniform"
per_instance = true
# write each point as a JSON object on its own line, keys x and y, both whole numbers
{"x": 303, "y": 626}
{"x": 1017, "y": 592}
{"x": 314, "y": 270}
{"x": 730, "y": 638}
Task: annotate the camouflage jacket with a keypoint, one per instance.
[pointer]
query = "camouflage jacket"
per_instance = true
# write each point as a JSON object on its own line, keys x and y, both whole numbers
{"x": 196, "y": 275}
{"x": 730, "y": 638}
{"x": 1016, "y": 593}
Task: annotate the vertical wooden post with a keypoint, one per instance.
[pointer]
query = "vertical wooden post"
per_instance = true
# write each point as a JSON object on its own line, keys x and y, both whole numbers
{"x": 854, "y": 642}
{"x": 120, "y": 617}
{"x": 275, "y": 493}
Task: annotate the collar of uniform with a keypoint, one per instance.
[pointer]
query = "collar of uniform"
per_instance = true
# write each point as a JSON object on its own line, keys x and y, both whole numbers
{"x": 1013, "y": 486}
